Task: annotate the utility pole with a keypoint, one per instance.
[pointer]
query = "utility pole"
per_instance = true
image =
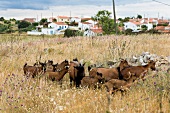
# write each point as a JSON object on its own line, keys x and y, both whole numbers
{"x": 114, "y": 14}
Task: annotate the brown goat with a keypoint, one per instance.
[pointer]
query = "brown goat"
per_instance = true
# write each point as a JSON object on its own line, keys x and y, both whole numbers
{"x": 34, "y": 70}
{"x": 76, "y": 72}
{"x": 61, "y": 70}
{"x": 139, "y": 71}
{"x": 92, "y": 82}
{"x": 111, "y": 73}
{"x": 114, "y": 85}
{"x": 58, "y": 75}
{"x": 50, "y": 66}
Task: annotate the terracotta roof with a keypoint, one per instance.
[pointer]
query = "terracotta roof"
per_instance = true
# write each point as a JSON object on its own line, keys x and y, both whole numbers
{"x": 135, "y": 20}
{"x": 63, "y": 17}
{"x": 97, "y": 30}
{"x": 96, "y": 27}
{"x": 60, "y": 23}
{"x": 74, "y": 17}
{"x": 85, "y": 18}
{"x": 163, "y": 20}
{"x": 166, "y": 31}
{"x": 86, "y": 23}
{"x": 160, "y": 27}
{"x": 136, "y": 23}
{"x": 31, "y": 20}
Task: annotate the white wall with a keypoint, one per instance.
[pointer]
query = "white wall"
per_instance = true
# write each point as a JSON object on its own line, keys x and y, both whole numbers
{"x": 34, "y": 33}
{"x": 75, "y": 19}
{"x": 130, "y": 25}
{"x": 57, "y": 27}
{"x": 48, "y": 31}
{"x": 84, "y": 26}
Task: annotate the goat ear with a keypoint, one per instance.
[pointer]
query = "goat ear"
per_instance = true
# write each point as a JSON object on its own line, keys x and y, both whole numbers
{"x": 84, "y": 63}
{"x": 89, "y": 68}
{"x": 75, "y": 59}
{"x": 66, "y": 60}
{"x": 35, "y": 64}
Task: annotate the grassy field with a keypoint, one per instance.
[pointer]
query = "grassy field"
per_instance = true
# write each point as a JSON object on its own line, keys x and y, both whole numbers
{"x": 21, "y": 95}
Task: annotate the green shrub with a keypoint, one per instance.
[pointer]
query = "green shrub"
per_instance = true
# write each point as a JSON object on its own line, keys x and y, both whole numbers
{"x": 72, "y": 33}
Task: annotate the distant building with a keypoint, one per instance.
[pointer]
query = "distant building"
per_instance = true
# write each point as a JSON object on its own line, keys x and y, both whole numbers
{"x": 58, "y": 25}
{"x": 63, "y": 19}
{"x": 31, "y": 20}
{"x": 75, "y": 19}
{"x": 84, "y": 25}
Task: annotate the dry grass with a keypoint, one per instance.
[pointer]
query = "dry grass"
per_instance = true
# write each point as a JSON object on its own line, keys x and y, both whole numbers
{"x": 20, "y": 95}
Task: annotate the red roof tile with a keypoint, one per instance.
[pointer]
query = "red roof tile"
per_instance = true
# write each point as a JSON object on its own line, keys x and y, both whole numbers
{"x": 165, "y": 31}
{"x": 31, "y": 20}
{"x": 60, "y": 23}
{"x": 63, "y": 17}
{"x": 86, "y": 23}
{"x": 97, "y": 30}
{"x": 160, "y": 27}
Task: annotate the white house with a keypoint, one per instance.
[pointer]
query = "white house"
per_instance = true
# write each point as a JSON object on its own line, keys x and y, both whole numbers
{"x": 48, "y": 31}
{"x": 63, "y": 19}
{"x": 93, "y": 32}
{"x": 84, "y": 25}
{"x": 75, "y": 19}
{"x": 58, "y": 25}
{"x": 149, "y": 26}
{"x": 92, "y": 22}
{"x": 53, "y": 28}
{"x": 136, "y": 25}
{"x": 132, "y": 25}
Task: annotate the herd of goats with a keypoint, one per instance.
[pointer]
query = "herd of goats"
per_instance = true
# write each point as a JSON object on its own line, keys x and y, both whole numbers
{"x": 114, "y": 79}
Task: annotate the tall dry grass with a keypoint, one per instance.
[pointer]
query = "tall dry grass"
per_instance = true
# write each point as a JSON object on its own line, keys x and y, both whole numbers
{"x": 19, "y": 94}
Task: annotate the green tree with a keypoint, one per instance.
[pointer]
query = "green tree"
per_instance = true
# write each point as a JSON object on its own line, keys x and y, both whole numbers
{"x": 23, "y": 24}
{"x": 43, "y": 20}
{"x": 126, "y": 19}
{"x": 128, "y": 31}
{"x": 139, "y": 16}
{"x": 17, "y": 22}
{"x": 12, "y": 19}
{"x": 2, "y": 19}
{"x": 35, "y": 24}
{"x": 54, "y": 20}
{"x": 3, "y": 28}
{"x": 144, "y": 27}
{"x": 104, "y": 20}
{"x": 7, "y": 22}
{"x": 72, "y": 33}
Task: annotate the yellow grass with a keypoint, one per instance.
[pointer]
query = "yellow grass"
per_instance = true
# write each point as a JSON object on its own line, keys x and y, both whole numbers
{"x": 20, "y": 95}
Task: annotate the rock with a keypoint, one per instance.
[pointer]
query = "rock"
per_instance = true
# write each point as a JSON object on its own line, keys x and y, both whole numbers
{"x": 168, "y": 58}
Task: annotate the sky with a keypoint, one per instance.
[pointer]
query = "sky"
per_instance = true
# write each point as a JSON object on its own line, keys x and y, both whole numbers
{"x": 20, "y": 9}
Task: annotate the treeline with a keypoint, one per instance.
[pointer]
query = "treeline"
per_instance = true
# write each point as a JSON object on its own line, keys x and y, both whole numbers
{"x": 13, "y": 25}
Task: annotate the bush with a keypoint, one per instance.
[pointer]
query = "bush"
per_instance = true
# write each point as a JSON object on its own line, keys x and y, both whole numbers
{"x": 71, "y": 33}
{"x": 23, "y": 24}
{"x": 128, "y": 31}
{"x": 152, "y": 31}
{"x": 3, "y": 28}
